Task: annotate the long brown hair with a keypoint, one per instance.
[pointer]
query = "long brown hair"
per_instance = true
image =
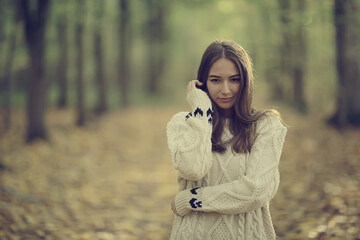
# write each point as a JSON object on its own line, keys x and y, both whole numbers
{"x": 242, "y": 122}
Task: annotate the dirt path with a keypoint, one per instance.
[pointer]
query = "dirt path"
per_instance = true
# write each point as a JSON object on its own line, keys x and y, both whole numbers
{"x": 113, "y": 180}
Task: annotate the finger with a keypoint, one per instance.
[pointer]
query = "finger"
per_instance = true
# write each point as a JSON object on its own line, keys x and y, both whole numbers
{"x": 198, "y": 83}
{"x": 195, "y": 83}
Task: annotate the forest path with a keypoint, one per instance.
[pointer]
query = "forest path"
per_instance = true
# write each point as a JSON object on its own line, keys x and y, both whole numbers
{"x": 113, "y": 179}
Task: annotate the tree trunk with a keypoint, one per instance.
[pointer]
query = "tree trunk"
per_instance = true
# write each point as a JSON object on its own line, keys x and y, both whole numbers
{"x": 5, "y": 89}
{"x": 299, "y": 48}
{"x": 285, "y": 50}
{"x": 35, "y": 23}
{"x": 79, "y": 43}
{"x": 99, "y": 65}
{"x": 347, "y": 63}
{"x": 156, "y": 36}
{"x": 270, "y": 54}
{"x": 62, "y": 61}
{"x": 293, "y": 54}
{"x": 125, "y": 56}
{"x": 2, "y": 26}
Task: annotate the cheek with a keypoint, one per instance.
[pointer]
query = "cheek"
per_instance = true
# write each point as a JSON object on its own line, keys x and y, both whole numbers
{"x": 212, "y": 94}
{"x": 236, "y": 88}
{"x": 212, "y": 91}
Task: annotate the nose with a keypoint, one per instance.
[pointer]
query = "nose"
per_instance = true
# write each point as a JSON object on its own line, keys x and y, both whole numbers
{"x": 225, "y": 88}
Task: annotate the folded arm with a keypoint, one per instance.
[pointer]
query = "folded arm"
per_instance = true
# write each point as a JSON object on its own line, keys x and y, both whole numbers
{"x": 251, "y": 191}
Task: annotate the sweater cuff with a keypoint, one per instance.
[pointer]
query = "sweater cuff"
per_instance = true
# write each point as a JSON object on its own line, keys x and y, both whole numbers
{"x": 188, "y": 200}
{"x": 198, "y": 98}
{"x": 182, "y": 202}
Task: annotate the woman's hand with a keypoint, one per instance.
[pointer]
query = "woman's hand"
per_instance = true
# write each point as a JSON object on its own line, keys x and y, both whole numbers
{"x": 193, "y": 85}
{"x": 173, "y": 208}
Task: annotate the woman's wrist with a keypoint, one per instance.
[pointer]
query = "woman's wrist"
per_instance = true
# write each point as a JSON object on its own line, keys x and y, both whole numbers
{"x": 182, "y": 203}
{"x": 198, "y": 98}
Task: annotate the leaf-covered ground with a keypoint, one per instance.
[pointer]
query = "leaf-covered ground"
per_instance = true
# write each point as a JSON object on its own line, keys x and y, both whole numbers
{"x": 113, "y": 179}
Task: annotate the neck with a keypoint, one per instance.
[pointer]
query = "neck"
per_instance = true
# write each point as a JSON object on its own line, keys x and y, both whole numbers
{"x": 226, "y": 113}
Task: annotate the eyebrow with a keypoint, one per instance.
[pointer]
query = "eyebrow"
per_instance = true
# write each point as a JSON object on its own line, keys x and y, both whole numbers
{"x": 215, "y": 76}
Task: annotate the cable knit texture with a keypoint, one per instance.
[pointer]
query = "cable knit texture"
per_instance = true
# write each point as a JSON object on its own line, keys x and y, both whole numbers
{"x": 222, "y": 196}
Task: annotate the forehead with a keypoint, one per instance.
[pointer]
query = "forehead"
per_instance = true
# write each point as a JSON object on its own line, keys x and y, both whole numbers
{"x": 224, "y": 66}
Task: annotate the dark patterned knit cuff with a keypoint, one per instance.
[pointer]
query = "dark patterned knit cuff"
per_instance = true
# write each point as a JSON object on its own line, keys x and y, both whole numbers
{"x": 195, "y": 202}
{"x": 188, "y": 200}
{"x": 201, "y": 105}
{"x": 198, "y": 99}
{"x": 181, "y": 202}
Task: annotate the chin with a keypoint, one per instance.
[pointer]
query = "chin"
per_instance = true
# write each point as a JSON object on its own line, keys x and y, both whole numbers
{"x": 225, "y": 107}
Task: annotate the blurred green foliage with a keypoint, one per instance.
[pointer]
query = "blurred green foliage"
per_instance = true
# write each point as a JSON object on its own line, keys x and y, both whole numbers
{"x": 191, "y": 26}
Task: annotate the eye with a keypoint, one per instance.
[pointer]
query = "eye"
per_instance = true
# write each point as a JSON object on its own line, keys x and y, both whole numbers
{"x": 236, "y": 79}
{"x": 214, "y": 80}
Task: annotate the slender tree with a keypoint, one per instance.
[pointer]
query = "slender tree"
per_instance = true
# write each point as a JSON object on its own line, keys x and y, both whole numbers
{"x": 5, "y": 89}
{"x": 35, "y": 19}
{"x": 292, "y": 51}
{"x": 62, "y": 36}
{"x": 3, "y": 85}
{"x": 270, "y": 51}
{"x": 285, "y": 49}
{"x": 347, "y": 64}
{"x": 124, "y": 51}
{"x": 99, "y": 59}
{"x": 156, "y": 42}
{"x": 79, "y": 43}
{"x": 2, "y": 25}
{"x": 299, "y": 57}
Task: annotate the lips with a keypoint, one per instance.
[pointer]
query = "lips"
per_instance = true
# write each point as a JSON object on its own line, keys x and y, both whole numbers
{"x": 225, "y": 100}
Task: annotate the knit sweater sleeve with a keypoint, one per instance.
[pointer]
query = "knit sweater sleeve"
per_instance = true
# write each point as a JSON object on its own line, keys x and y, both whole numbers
{"x": 189, "y": 137}
{"x": 251, "y": 191}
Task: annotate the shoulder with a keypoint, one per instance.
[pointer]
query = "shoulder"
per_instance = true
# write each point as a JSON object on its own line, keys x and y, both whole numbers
{"x": 269, "y": 122}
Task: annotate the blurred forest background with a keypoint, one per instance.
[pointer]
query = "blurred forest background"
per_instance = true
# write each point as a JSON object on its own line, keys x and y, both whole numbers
{"x": 87, "y": 86}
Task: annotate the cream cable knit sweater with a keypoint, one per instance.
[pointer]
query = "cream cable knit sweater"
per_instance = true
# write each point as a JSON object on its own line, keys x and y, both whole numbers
{"x": 222, "y": 196}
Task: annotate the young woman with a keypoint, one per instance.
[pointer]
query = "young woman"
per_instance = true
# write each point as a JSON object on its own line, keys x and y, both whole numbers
{"x": 226, "y": 153}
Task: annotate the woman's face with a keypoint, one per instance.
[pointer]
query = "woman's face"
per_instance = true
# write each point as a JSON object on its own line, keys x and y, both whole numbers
{"x": 223, "y": 83}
